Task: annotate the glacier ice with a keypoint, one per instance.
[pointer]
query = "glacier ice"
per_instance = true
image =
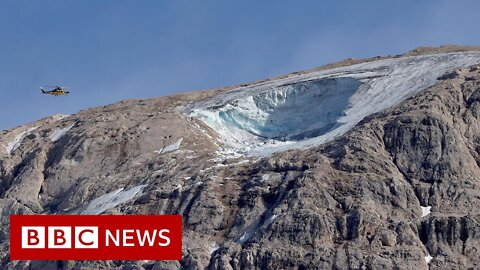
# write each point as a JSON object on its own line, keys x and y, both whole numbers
{"x": 292, "y": 112}
{"x": 304, "y": 110}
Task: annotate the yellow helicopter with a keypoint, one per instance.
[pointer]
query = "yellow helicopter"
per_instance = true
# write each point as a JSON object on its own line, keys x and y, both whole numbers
{"x": 56, "y": 91}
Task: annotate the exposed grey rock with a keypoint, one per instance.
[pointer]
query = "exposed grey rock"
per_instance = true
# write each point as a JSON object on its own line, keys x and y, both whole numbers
{"x": 352, "y": 203}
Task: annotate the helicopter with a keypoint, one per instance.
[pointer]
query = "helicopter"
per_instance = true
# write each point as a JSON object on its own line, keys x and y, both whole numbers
{"x": 56, "y": 91}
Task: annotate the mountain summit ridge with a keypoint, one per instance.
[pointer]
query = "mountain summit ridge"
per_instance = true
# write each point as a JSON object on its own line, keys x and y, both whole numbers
{"x": 357, "y": 201}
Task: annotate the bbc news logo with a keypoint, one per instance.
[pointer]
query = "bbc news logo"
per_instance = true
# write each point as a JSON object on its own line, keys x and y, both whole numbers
{"x": 87, "y": 237}
{"x": 91, "y": 237}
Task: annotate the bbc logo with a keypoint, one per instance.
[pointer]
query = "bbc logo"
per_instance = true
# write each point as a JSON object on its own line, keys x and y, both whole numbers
{"x": 59, "y": 237}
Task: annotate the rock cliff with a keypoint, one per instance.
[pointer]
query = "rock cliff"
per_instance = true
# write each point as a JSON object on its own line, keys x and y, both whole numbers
{"x": 397, "y": 189}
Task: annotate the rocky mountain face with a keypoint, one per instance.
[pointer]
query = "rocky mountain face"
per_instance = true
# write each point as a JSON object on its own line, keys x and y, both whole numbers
{"x": 400, "y": 189}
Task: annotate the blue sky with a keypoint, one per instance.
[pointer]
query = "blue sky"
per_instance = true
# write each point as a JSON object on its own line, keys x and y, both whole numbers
{"x": 109, "y": 50}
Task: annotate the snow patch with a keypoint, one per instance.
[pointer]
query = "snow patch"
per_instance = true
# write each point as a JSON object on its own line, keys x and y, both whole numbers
{"x": 246, "y": 236}
{"x": 265, "y": 177}
{"x": 239, "y": 163}
{"x": 214, "y": 247}
{"x": 428, "y": 258}
{"x": 60, "y": 116}
{"x": 59, "y": 133}
{"x": 309, "y": 109}
{"x": 69, "y": 162}
{"x": 270, "y": 219}
{"x": 425, "y": 210}
{"x": 228, "y": 153}
{"x": 111, "y": 200}
{"x": 251, "y": 230}
{"x": 17, "y": 141}
{"x": 224, "y": 154}
{"x": 170, "y": 148}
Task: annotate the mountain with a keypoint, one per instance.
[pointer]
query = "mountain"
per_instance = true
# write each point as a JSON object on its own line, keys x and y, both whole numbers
{"x": 361, "y": 164}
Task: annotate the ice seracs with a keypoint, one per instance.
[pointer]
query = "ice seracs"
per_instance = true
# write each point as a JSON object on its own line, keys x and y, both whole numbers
{"x": 310, "y": 109}
{"x": 292, "y": 112}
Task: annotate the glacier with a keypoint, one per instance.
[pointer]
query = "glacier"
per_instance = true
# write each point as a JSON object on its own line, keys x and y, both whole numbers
{"x": 305, "y": 110}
